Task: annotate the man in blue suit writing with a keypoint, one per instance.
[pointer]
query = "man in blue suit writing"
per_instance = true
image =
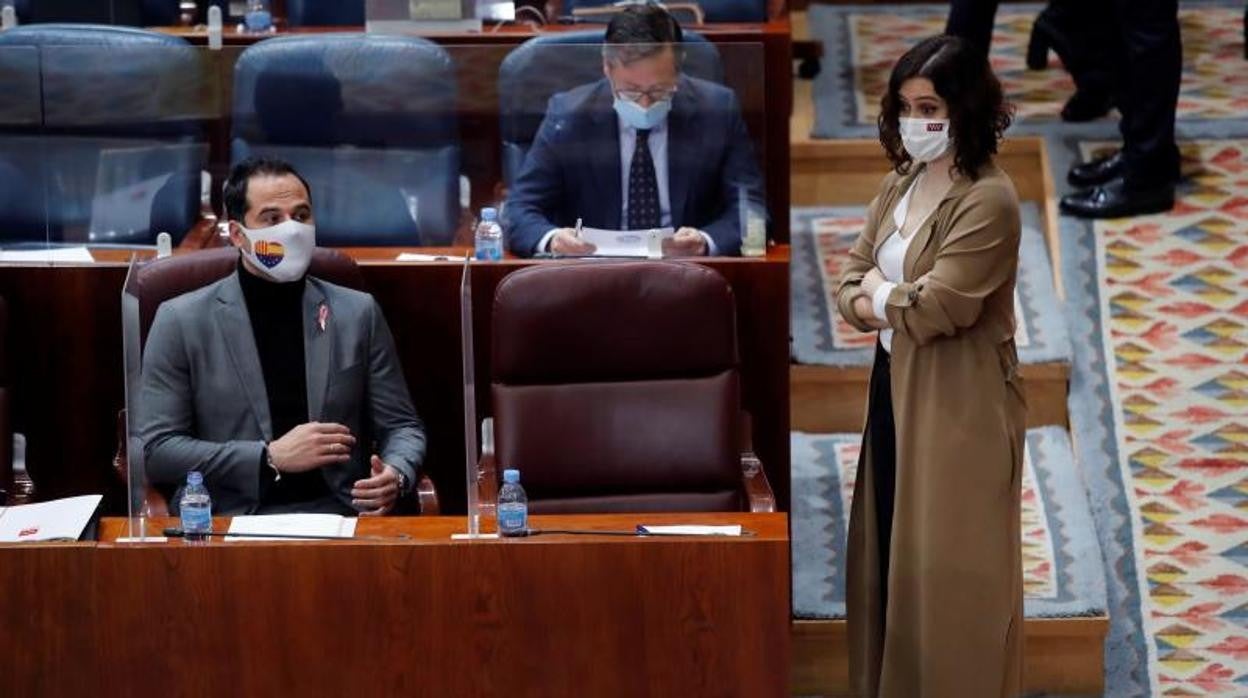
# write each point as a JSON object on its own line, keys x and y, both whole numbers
{"x": 646, "y": 147}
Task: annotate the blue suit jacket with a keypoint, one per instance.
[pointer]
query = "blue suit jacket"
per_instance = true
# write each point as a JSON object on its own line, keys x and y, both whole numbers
{"x": 573, "y": 168}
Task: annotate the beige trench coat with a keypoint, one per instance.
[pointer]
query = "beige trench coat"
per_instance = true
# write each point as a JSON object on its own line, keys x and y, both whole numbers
{"x": 955, "y": 591}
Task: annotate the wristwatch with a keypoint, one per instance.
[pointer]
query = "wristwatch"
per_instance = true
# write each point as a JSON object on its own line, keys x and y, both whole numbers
{"x": 402, "y": 482}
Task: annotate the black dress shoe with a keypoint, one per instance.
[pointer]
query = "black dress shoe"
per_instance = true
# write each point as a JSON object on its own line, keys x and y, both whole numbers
{"x": 1099, "y": 171}
{"x": 1113, "y": 200}
{"x": 1085, "y": 105}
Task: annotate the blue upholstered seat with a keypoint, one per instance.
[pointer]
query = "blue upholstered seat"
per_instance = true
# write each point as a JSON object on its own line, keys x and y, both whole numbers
{"x": 368, "y": 120}
{"x": 541, "y": 67}
{"x": 104, "y": 130}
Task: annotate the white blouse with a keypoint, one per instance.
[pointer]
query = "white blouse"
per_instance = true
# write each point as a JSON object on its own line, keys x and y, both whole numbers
{"x": 891, "y": 260}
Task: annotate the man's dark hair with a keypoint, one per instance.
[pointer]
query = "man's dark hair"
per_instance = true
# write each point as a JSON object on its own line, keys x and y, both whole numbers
{"x": 978, "y": 112}
{"x": 235, "y": 194}
{"x": 641, "y": 31}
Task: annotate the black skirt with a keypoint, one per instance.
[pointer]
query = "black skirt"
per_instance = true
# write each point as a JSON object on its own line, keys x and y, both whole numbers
{"x": 882, "y": 442}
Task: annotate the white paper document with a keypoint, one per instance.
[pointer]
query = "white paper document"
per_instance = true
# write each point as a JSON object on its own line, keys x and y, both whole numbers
{"x": 627, "y": 243}
{"x": 419, "y": 257}
{"x": 60, "y": 519}
{"x": 54, "y": 255}
{"x": 276, "y": 526}
{"x": 688, "y": 530}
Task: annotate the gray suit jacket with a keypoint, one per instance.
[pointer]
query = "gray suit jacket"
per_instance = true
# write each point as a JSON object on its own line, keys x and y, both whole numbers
{"x": 204, "y": 405}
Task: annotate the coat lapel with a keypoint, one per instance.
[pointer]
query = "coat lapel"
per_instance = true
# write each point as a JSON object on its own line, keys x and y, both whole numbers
{"x": 318, "y": 345}
{"x": 603, "y": 149}
{"x": 923, "y": 236}
{"x": 234, "y": 323}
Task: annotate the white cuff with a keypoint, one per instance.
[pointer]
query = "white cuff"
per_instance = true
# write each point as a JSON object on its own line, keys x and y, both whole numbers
{"x": 543, "y": 245}
{"x": 711, "y": 249}
{"x": 880, "y": 298}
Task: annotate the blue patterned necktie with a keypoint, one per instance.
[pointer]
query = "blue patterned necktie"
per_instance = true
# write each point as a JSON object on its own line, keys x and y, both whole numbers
{"x": 643, "y": 187}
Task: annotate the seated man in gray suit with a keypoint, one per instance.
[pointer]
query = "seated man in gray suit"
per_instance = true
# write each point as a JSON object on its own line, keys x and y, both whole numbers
{"x": 274, "y": 384}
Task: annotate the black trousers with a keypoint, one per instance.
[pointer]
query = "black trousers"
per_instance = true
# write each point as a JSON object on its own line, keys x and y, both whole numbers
{"x": 882, "y": 441}
{"x": 1132, "y": 50}
{"x": 971, "y": 21}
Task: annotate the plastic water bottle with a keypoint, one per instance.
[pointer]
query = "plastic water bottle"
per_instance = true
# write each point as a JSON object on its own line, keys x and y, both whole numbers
{"x": 489, "y": 236}
{"x": 258, "y": 19}
{"x": 513, "y": 506}
{"x": 196, "y": 508}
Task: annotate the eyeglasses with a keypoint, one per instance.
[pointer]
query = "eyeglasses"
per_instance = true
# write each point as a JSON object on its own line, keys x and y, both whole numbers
{"x": 656, "y": 94}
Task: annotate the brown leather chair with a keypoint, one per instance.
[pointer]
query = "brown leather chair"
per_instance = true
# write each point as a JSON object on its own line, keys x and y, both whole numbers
{"x": 162, "y": 279}
{"x": 615, "y": 388}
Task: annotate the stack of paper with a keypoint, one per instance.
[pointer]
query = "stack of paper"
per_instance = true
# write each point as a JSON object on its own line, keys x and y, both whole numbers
{"x": 60, "y": 519}
{"x": 279, "y": 526}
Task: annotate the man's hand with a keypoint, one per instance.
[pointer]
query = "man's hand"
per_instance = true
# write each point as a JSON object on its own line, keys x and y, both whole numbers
{"x": 687, "y": 242}
{"x": 310, "y": 446}
{"x": 565, "y": 241}
{"x": 865, "y": 313}
{"x": 376, "y": 495}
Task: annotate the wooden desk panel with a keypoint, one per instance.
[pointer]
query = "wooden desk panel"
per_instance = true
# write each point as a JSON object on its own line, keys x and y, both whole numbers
{"x": 66, "y": 360}
{"x": 557, "y": 616}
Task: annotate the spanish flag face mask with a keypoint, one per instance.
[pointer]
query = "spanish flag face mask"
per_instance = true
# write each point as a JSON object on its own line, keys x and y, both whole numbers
{"x": 924, "y": 139}
{"x": 281, "y": 252}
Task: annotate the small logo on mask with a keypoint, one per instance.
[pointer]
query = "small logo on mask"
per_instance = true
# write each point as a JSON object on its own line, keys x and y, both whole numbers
{"x": 269, "y": 253}
{"x": 934, "y": 127}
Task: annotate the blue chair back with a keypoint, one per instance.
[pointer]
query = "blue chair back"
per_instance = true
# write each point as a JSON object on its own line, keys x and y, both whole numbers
{"x": 324, "y": 13}
{"x": 543, "y": 66}
{"x": 368, "y": 120}
{"x": 107, "y": 133}
{"x": 712, "y": 10}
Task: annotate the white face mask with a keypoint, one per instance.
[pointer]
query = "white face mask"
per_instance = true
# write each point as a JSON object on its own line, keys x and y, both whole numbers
{"x": 924, "y": 139}
{"x": 281, "y": 252}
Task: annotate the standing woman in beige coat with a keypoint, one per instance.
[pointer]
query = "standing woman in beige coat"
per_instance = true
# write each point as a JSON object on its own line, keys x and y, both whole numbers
{"x": 934, "y": 583}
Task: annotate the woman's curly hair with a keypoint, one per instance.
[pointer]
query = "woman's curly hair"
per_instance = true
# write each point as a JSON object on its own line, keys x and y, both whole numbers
{"x": 978, "y": 112}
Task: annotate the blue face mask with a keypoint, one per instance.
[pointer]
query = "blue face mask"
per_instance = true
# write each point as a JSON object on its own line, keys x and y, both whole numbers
{"x": 642, "y": 118}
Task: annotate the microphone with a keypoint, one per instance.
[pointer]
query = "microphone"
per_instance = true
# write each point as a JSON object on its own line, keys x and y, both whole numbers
{"x": 179, "y": 533}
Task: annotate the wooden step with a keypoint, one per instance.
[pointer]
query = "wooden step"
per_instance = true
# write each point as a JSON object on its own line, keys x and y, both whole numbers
{"x": 832, "y": 400}
{"x": 1061, "y": 655}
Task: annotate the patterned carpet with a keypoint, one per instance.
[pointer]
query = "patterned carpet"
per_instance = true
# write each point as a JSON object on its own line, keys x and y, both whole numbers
{"x": 862, "y": 44}
{"x": 1061, "y": 573}
{"x": 1175, "y": 304}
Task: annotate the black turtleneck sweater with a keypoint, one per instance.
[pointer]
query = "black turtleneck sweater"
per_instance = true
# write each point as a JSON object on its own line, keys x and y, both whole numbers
{"x": 276, "y": 312}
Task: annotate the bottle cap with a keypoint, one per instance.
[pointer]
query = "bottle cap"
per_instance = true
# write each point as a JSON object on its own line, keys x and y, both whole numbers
{"x": 489, "y": 214}
{"x": 511, "y": 476}
{"x": 194, "y": 478}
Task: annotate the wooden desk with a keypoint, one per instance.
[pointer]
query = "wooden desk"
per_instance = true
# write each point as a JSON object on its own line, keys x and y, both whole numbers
{"x": 66, "y": 360}
{"x": 763, "y": 80}
{"x": 418, "y": 616}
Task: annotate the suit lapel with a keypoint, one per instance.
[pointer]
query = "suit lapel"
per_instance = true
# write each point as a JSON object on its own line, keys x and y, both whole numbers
{"x": 603, "y": 146}
{"x": 682, "y": 151}
{"x": 318, "y": 345}
{"x": 234, "y": 323}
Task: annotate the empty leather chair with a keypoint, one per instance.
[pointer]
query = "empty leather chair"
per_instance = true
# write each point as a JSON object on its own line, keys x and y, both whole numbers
{"x": 324, "y": 13}
{"x": 539, "y": 68}
{"x": 616, "y": 388}
{"x": 368, "y": 120}
{"x": 108, "y": 134}
{"x": 159, "y": 280}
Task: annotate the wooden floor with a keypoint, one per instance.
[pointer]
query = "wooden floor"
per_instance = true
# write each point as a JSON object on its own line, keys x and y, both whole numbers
{"x": 1062, "y": 655}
